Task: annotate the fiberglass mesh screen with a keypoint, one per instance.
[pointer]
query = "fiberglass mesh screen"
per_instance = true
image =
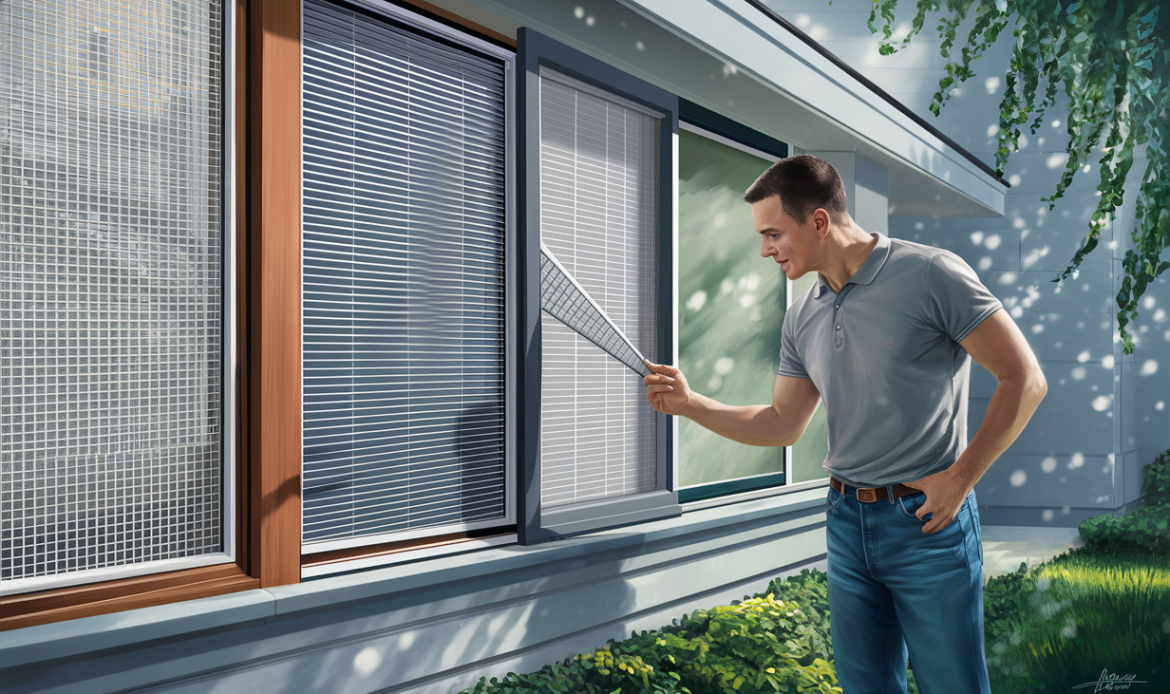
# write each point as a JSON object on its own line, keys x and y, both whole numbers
{"x": 110, "y": 283}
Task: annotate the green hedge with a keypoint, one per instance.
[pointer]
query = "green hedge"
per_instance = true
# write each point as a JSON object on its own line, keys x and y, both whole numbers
{"x": 1147, "y": 527}
{"x": 777, "y": 641}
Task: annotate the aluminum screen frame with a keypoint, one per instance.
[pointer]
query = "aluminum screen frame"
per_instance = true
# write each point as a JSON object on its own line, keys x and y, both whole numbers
{"x": 229, "y": 360}
{"x": 413, "y": 22}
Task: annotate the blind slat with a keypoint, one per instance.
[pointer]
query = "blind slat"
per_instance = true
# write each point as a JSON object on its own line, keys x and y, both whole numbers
{"x": 403, "y": 279}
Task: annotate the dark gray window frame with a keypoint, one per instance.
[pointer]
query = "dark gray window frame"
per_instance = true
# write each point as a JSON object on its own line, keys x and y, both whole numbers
{"x": 536, "y": 525}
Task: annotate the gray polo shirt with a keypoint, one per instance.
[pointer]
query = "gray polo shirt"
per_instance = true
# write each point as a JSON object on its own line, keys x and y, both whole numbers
{"x": 884, "y": 354}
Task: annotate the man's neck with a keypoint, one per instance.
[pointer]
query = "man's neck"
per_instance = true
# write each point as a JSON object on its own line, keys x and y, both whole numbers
{"x": 850, "y": 247}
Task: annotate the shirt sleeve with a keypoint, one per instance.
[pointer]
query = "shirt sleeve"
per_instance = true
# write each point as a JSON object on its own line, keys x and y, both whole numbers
{"x": 790, "y": 362}
{"x": 957, "y": 301}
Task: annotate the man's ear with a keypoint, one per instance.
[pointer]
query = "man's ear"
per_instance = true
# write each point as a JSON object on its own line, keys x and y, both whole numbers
{"x": 821, "y": 222}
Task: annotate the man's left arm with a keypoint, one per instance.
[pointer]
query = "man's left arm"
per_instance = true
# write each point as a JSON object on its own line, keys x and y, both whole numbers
{"x": 998, "y": 346}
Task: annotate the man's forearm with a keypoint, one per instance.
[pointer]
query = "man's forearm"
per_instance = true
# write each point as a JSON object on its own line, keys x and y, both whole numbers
{"x": 1011, "y": 406}
{"x": 755, "y": 425}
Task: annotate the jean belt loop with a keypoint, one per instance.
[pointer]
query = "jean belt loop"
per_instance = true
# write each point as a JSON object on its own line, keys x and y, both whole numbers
{"x": 890, "y": 492}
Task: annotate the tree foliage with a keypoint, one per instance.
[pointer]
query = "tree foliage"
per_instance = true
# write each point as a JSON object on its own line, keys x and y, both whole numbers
{"x": 1110, "y": 58}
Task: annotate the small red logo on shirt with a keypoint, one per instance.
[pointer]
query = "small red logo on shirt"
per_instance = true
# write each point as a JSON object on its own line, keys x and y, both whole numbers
{"x": 889, "y": 345}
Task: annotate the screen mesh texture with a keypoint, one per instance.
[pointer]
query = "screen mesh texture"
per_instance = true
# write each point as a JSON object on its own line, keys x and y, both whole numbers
{"x": 111, "y": 283}
{"x": 598, "y": 217}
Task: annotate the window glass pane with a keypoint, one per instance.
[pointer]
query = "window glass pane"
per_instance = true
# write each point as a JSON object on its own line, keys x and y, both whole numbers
{"x": 404, "y": 268}
{"x": 598, "y": 201}
{"x": 731, "y": 306}
{"x": 110, "y": 284}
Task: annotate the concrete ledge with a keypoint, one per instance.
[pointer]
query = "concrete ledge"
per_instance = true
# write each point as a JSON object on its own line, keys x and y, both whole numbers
{"x": 504, "y": 599}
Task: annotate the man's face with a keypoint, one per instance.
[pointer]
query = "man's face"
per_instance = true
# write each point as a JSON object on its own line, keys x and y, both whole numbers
{"x": 783, "y": 239}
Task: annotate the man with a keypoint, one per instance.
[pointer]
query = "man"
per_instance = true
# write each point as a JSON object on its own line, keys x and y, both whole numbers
{"x": 886, "y": 337}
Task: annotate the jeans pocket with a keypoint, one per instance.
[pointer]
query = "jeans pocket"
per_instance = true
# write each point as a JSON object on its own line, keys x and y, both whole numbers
{"x": 832, "y": 499}
{"x": 908, "y": 506}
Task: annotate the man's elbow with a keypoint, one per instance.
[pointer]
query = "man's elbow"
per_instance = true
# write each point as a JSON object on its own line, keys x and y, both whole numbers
{"x": 1036, "y": 384}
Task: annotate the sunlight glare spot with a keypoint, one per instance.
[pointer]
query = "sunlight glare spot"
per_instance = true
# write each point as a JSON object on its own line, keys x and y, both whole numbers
{"x": 724, "y": 366}
{"x": 991, "y": 84}
{"x": 1148, "y": 302}
{"x": 1083, "y": 356}
{"x": 1019, "y": 477}
{"x": 1037, "y": 329}
{"x": 1107, "y": 361}
{"x": 1160, "y": 405}
{"x": 977, "y": 237}
{"x": 1078, "y": 459}
{"x": 1014, "y": 179}
{"x": 1150, "y": 367}
{"x": 1056, "y": 161}
{"x": 1079, "y": 373}
{"x": 578, "y": 12}
{"x": 992, "y": 130}
{"x": 639, "y": 45}
{"x": 1047, "y": 515}
{"x": 697, "y": 300}
{"x": 1048, "y": 464}
{"x": 1017, "y": 312}
{"x": 1101, "y": 403}
{"x": 993, "y": 241}
{"x": 367, "y": 660}
{"x": 984, "y": 263}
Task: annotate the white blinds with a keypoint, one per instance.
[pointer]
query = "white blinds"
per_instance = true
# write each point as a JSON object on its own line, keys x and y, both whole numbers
{"x": 598, "y": 177}
{"x": 403, "y": 272}
{"x": 111, "y": 286}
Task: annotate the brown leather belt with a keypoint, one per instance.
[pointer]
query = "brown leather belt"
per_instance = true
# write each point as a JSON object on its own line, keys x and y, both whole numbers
{"x": 871, "y": 494}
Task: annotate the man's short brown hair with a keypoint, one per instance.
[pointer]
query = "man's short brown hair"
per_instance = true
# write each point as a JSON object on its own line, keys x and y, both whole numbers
{"x": 804, "y": 183}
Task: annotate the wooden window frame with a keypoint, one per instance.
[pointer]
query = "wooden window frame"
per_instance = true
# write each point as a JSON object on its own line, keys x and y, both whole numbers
{"x": 267, "y": 148}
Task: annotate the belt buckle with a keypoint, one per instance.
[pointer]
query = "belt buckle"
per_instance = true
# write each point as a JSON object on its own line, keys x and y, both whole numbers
{"x": 866, "y": 495}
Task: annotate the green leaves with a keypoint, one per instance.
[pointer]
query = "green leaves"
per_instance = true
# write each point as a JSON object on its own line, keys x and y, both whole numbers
{"x": 1111, "y": 60}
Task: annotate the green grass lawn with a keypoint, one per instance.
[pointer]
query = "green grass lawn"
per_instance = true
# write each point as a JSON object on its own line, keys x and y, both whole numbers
{"x": 1067, "y": 621}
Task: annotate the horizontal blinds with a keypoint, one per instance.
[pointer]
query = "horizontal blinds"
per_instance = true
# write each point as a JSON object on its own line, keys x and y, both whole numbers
{"x": 111, "y": 286}
{"x": 598, "y": 217}
{"x": 403, "y": 280}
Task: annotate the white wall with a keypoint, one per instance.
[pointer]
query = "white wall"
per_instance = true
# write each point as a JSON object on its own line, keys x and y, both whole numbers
{"x": 1083, "y": 451}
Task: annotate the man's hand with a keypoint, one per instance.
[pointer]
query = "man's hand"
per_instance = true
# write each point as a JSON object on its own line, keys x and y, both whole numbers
{"x": 667, "y": 389}
{"x": 944, "y": 497}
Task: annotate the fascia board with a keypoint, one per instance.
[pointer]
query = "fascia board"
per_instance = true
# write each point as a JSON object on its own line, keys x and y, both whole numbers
{"x": 745, "y": 37}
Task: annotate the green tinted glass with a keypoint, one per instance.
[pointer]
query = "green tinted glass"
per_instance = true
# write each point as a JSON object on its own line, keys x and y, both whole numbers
{"x": 731, "y": 306}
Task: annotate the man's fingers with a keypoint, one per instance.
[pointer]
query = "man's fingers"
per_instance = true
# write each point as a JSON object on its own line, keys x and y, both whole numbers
{"x": 659, "y": 389}
{"x": 660, "y": 368}
{"x": 656, "y": 378}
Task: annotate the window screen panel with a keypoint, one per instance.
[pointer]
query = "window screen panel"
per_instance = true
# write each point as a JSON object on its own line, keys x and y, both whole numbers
{"x": 403, "y": 272}
{"x": 598, "y": 200}
{"x": 111, "y": 285}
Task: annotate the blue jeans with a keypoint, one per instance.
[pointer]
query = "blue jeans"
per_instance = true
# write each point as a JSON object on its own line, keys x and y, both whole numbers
{"x": 893, "y": 588}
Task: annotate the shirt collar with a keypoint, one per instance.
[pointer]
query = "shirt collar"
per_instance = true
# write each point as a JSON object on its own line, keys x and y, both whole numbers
{"x": 867, "y": 271}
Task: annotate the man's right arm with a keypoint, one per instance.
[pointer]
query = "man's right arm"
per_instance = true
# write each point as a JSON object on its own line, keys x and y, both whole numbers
{"x": 794, "y": 400}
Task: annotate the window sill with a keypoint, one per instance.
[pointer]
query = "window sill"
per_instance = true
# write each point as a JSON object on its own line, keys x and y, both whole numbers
{"x": 23, "y": 647}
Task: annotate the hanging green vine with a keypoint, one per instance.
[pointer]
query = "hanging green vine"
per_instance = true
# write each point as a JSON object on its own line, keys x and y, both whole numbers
{"x": 1112, "y": 61}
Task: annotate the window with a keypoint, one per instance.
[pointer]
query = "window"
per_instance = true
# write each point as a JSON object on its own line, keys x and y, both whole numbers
{"x": 113, "y": 276}
{"x": 598, "y": 159}
{"x": 404, "y": 282}
{"x": 731, "y": 307}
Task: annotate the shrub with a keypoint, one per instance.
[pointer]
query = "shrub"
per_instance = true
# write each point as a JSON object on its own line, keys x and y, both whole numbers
{"x": 762, "y": 644}
{"x": 1146, "y": 528}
